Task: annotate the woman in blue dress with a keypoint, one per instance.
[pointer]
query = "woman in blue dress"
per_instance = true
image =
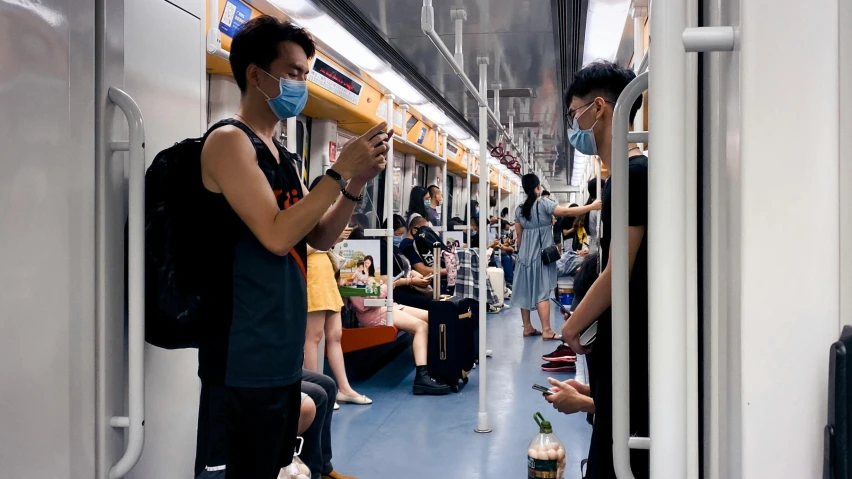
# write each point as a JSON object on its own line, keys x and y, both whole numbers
{"x": 535, "y": 281}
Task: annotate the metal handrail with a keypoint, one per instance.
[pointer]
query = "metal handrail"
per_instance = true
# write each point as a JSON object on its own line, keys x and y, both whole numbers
{"x": 134, "y": 422}
{"x": 389, "y": 215}
{"x": 621, "y": 278}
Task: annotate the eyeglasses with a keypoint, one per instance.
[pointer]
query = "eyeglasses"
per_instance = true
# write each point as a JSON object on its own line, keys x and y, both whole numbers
{"x": 572, "y": 114}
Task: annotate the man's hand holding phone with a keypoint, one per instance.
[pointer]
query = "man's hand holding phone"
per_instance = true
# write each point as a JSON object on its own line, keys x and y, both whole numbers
{"x": 569, "y": 397}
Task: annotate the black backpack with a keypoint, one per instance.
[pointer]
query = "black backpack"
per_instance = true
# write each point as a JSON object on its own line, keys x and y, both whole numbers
{"x": 425, "y": 242}
{"x": 172, "y": 188}
{"x": 173, "y": 264}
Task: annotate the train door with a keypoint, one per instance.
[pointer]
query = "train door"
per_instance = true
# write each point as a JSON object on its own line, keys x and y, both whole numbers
{"x": 47, "y": 244}
{"x": 162, "y": 70}
{"x": 164, "y": 73}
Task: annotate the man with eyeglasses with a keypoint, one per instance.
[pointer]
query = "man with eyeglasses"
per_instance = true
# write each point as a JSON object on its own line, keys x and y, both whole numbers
{"x": 591, "y": 99}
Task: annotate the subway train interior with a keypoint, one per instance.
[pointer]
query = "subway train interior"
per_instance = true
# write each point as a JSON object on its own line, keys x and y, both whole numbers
{"x": 745, "y": 118}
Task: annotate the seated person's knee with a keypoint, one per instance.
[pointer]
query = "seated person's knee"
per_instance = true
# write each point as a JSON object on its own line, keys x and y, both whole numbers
{"x": 307, "y": 413}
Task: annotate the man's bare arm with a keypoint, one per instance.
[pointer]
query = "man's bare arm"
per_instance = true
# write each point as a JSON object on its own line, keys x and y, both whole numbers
{"x": 229, "y": 166}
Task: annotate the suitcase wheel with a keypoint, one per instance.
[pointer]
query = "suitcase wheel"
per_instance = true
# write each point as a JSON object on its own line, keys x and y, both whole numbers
{"x": 465, "y": 380}
{"x": 455, "y": 388}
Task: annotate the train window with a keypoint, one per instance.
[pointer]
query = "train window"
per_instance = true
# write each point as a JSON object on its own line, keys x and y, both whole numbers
{"x": 420, "y": 175}
{"x": 451, "y": 186}
{"x": 398, "y": 162}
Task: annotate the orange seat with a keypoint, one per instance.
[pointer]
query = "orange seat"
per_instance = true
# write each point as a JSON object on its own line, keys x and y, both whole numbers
{"x": 356, "y": 339}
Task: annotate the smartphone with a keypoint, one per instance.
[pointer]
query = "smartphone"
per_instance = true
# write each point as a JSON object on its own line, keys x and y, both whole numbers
{"x": 587, "y": 337}
{"x": 542, "y": 389}
{"x": 561, "y": 307}
{"x": 389, "y": 133}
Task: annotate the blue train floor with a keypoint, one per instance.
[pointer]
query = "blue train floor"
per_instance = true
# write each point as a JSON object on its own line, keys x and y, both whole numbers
{"x": 420, "y": 437}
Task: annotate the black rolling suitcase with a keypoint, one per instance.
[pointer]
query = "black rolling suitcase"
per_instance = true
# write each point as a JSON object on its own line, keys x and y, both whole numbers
{"x": 451, "y": 338}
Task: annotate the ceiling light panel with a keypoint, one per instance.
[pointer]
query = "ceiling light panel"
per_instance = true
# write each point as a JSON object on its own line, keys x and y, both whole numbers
{"x": 436, "y": 116}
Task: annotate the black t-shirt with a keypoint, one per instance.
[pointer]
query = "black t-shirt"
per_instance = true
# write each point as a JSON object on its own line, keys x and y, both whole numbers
{"x": 406, "y": 246}
{"x": 474, "y": 241}
{"x": 253, "y": 302}
{"x": 600, "y": 464}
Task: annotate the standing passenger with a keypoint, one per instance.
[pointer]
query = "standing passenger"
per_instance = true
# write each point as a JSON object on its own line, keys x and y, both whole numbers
{"x": 591, "y": 99}
{"x": 258, "y": 219}
{"x": 434, "y": 208}
{"x": 534, "y": 281}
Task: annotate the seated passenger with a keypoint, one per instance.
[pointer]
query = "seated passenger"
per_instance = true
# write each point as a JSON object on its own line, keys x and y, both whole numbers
{"x": 408, "y": 249}
{"x": 507, "y": 253}
{"x": 307, "y": 413}
{"x": 408, "y": 319}
{"x": 316, "y": 450}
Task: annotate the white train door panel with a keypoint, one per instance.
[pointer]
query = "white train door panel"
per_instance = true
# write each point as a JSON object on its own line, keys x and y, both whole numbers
{"x": 164, "y": 73}
{"x": 47, "y": 238}
{"x": 154, "y": 51}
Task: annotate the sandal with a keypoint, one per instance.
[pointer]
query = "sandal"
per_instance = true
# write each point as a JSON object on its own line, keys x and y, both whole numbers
{"x": 555, "y": 337}
{"x": 534, "y": 332}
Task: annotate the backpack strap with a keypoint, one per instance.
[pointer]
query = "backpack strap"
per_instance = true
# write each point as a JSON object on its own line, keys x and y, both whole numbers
{"x": 287, "y": 159}
{"x": 260, "y": 148}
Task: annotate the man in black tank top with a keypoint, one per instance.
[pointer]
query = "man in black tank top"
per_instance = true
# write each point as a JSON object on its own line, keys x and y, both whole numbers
{"x": 257, "y": 220}
{"x": 591, "y": 98}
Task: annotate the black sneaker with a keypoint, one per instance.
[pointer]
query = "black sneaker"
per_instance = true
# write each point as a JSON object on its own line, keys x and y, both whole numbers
{"x": 425, "y": 384}
{"x": 560, "y": 367}
{"x": 562, "y": 353}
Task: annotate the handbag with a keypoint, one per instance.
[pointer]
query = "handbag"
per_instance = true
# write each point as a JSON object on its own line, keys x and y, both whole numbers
{"x": 337, "y": 261}
{"x": 551, "y": 253}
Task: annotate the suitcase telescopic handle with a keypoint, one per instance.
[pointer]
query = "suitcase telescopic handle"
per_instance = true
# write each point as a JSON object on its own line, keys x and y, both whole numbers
{"x": 436, "y": 273}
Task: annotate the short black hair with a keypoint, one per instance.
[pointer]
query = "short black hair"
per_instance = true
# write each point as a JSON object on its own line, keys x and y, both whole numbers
{"x": 417, "y": 221}
{"x": 545, "y": 193}
{"x": 604, "y": 79}
{"x": 432, "y": 189}
{"x": 257, "y": 43}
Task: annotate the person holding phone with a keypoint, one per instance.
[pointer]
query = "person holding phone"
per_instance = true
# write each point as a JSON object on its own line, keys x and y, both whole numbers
{"x": 569, "y": 397}
{"x": 591, "y": 99}
{"x": 257, "y": 219}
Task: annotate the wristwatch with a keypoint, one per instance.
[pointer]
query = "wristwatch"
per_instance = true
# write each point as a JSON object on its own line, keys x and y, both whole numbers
{"x": 336, "y": 177}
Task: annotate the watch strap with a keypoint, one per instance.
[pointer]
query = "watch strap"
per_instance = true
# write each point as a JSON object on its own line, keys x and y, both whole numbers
{"x": 336, "y": 177}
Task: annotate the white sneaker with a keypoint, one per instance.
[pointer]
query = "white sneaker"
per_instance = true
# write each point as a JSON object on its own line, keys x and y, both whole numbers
{"x": 336, "y": 406}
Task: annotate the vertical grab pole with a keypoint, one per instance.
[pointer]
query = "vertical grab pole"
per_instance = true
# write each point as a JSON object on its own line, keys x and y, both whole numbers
{"x": 621, "y": 280}
{"x": 134, "y": 422}
{"x": 389, "y": 211}
{"x": 445, "y": 188}
{"x": 690, "y": 159}
{"x": 469, "y": 195}
{"x": 482, "y": 420}
{"x": 667, "y": 249}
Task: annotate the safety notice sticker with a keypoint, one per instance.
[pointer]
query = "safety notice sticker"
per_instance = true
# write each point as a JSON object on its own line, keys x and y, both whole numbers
{"x": 236, "y": 13}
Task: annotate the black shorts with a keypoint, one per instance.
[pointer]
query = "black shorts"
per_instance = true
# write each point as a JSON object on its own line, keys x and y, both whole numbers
{"x": 248, "y": 432}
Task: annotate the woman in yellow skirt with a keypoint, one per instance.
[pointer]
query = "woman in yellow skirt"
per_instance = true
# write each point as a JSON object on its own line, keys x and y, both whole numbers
{"x": 324, "y": 305}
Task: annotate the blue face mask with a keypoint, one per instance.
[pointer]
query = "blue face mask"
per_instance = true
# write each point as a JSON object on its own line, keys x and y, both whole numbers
{"x": 291, "y": 100}
{"x": 583, "y": 140}
{"x": 397, "y": 240}
{"x": 427, "y": 203}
